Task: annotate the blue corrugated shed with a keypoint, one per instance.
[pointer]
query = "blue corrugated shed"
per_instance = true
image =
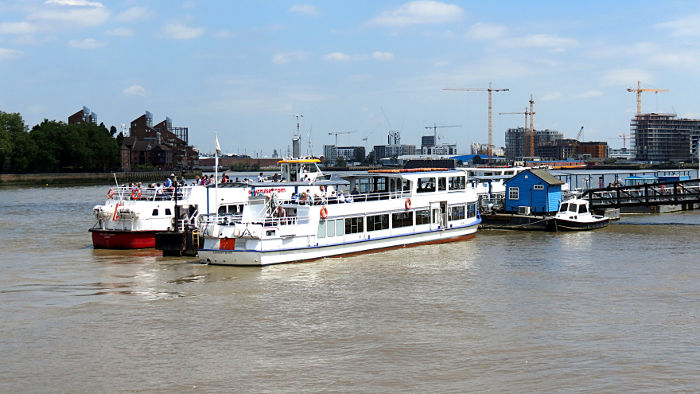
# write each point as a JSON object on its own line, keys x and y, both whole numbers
{"x": 537, "y": 189}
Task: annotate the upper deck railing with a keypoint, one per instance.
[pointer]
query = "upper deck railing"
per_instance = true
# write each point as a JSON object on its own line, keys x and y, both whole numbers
{"x": 149, "y": 193}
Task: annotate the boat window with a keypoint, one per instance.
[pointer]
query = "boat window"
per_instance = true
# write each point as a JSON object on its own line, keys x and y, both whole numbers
{"x": 379, "y": 185}
{"x": 401, "y": 219}
{"x": 363, "y": 185}
{"x": 339, "y": 227}
{"x": 455, "y": 212}
{"x": 155, "y": 212}
{"x": 572, "y": 207}
{"x": 330, "y": 228}
{"x": 422, "y": 217}
{"x": 167, "y": 212}
{"x": 471, "y": 210}
{"x": 582, "y": 208}
{"x": 378, "y": 222}
{"x": 442, "y": 184}
{"x": 457, "y": 183}
{"x": 514, "y": 193}
{"x": 564, "y": 207}
{"x": 354, "y": 225}
{"x": 406, "y": 185}
{"x": 321, "y": 229}
{"x": 426, "y": 185}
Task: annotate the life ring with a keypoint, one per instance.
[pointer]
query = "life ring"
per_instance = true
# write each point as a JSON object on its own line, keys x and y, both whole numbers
{"x": 136, "y": 194}
{"x": 324, "y": 212}
{"x": 408, "y": 203}
{"x": 110, "y": 193}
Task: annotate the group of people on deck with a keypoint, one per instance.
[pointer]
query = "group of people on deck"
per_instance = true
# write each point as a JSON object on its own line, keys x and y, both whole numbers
{"x": 324, "y": 198}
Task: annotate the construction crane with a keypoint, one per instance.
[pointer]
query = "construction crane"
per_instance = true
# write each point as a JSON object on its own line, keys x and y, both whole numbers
{"x": 576, "y": 142}
{"x": 639, "y": 91}
{"x": 336, "y": 133}
{"x": 435, "y": 127}
{"x": 532, "y": 126}
{"x": 526, "y": 130}
{"x": 490, "y": 90}
{"x": 624, "y": 140}
{"x": 364, "y": 139}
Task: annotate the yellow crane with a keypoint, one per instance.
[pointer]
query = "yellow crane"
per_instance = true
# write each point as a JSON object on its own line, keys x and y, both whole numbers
{"x": 639, "y": 91}
{"x": 490, "y": 90}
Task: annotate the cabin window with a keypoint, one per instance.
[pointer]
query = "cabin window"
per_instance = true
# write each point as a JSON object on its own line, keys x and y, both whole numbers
{"x": 514, "y": 193}
{"x": 401, "y": 219}
{"x": 330, "y": 228}
{"x": 564, "y": 207}
{"x": 380, "y": 185}
{"x": 354, "y": 225}
{"x": 363, "y": 185}
{"x": 167, "y": 212}
{"x": 457, "y": 183}
{"x": 339, "y": 227}
{"x": 230, "y": 209}
{"x": 155, "y": 212}
{"x": 406, "y": 185}
{"x": 426, "y": 185}
{"x": 471, "y": 210}
{"x": 538, "y": 187}
{"x": 442, "y": 184}
{"x": 582, "y": 208}
{"x": 377, "y": 222}
{"x": 456, "y": 212}
{"x": 321, "y": 229}
{"x": 423, "y": 217}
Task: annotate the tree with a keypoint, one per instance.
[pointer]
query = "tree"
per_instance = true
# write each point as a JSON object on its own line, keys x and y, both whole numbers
{"x": 340, "y": 162}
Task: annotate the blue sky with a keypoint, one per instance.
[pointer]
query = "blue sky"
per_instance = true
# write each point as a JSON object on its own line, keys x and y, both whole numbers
{"x": 243, "y": 69}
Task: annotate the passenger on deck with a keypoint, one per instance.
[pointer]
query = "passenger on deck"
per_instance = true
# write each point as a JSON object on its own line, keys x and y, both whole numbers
{"x": 341, "y": 197}
{"x": 333, "y": 199}
{"x": 169, "y": 181}
{"x": 261, "y": 178}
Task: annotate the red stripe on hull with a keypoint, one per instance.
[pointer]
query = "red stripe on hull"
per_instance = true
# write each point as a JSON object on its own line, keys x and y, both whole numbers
{"x": 111, "y": 239}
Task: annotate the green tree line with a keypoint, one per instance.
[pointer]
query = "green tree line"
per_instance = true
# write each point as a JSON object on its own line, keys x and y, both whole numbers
{"x": 53, "y": 146}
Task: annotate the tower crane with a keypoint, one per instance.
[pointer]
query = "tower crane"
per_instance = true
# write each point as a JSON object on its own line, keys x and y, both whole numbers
{"x": 526, "y": 131}
{"x": 364, "y": 139}
{"x": 639, "y": 91}
{"x": 435, "y": 127}
{"x": 336, "y": 133}
{"x": 624, "y": 140}
{"x": 490, "y": 90}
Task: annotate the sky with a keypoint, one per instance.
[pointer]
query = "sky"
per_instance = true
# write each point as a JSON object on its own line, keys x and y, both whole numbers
{"x": 244, "y": 69}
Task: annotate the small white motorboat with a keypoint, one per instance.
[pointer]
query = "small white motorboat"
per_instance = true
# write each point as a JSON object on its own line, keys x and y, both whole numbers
{"x": 574, "y": 215}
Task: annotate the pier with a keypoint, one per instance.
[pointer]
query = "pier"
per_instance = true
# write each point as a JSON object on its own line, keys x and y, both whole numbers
{"x": 684, "y": 193}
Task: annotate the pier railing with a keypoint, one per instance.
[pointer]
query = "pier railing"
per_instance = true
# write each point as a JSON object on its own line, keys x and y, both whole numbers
{"x": 663, "y": 193}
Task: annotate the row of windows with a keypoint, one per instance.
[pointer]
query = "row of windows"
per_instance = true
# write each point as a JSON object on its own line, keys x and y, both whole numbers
{"x": 429, "y": 184}
{"x": 338, "y": 227}
{"x": 514, "y": 191}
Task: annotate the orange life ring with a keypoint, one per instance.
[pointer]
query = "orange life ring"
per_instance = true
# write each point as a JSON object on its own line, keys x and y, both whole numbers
{"x": 110, "y": 193}
{"x": 324, "y": 212}
{"x": 136, "y": 194}
{"x": 408, "y": 203}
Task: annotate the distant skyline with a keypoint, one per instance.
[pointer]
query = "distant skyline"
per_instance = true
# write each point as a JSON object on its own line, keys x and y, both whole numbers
{"x": 243, "y": 69}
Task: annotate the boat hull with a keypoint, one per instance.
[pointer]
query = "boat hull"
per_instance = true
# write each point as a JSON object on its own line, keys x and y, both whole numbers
{"x": 573, "y": 225}
{"x": 120, "y": 239}
{"x": 270, "y": 257}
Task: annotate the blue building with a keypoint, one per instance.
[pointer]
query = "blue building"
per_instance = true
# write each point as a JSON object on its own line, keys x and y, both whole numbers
{"x": 537, "y": 189}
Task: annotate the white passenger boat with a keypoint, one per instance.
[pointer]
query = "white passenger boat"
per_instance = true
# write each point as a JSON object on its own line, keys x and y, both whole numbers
{"x": 574, "y": 215}
{"x": 386, "y": 209}
{"x": 131, "y": 216}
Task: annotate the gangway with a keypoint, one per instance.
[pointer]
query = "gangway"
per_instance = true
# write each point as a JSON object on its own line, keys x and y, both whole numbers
{"x": 685, "y": 193}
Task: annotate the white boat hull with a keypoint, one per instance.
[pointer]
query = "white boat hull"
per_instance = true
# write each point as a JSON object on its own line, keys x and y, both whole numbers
{"x": 268, "y": 257}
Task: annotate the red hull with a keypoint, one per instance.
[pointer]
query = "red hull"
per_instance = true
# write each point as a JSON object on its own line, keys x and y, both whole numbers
{"x": 118, "y": 239}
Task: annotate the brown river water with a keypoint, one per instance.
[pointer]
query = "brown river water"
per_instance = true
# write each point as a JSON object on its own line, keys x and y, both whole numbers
{"x": 616, "y": 309}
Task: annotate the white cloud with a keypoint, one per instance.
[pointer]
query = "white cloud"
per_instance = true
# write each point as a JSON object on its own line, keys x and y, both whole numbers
{"x": 625, "y": 77}
{"x": 383, "y": 56}
{"x": 83, "y": 17}
{"x": 540, "y": 41}
{"x": 687, "y": 26}
{"x": 336, "y": 57}
{"x": 7, "y": 54}
{"x": 224, "y": 34}
{"x": 589, "y": 94}
{"x": 284, "y": 58}
{"x": 418, "y": 13}
{"x": 88, "y": 43}
{"x": 75, "y": 3}
{"x": 135, "y": 90}
{"x": 181, "y": 32}
{"x": 133, "y": 14}
{"x": 551, "y": 96}
{"x": 17, "y": 28}
{"x": 304, "y": 9}
{"x": 120, "y": 32}
{"x": 486, "y": 31}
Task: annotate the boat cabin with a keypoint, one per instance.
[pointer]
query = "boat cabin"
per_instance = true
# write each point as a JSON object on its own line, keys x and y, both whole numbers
{"x": 300, "y": 170}
{"x": 533, "y": 191}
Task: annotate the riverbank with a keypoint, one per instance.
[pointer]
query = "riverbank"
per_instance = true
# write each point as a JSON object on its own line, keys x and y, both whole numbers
{"x": 87, "y": 178}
